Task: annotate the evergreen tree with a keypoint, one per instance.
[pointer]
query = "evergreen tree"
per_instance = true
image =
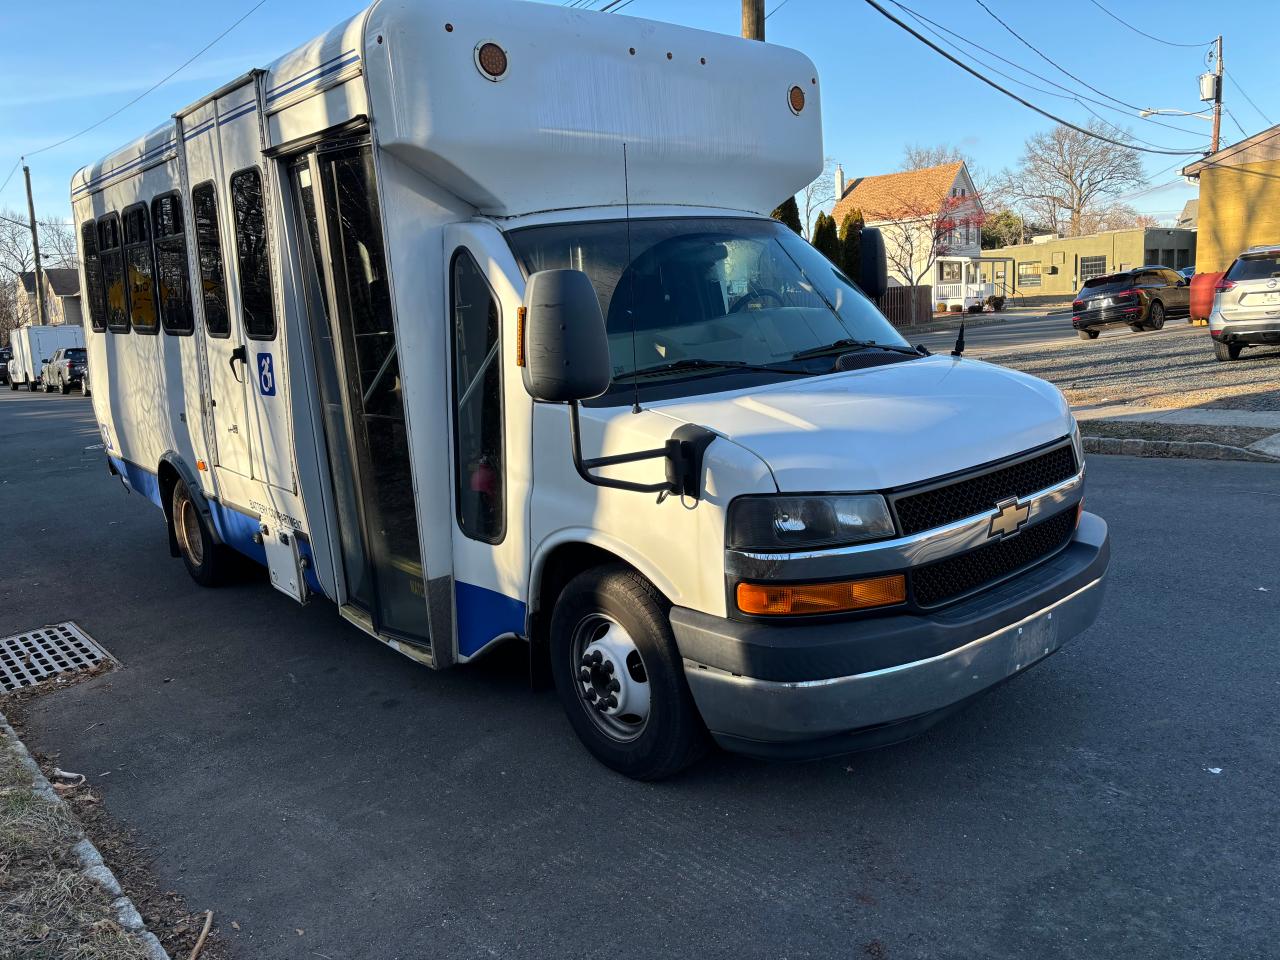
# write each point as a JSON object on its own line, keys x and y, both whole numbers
{"x": 851, "y": 244}
{"x": 789, "y": 213}
{"x": 825, "y": 237}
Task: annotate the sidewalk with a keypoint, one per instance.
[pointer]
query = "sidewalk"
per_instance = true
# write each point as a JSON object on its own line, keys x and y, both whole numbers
{"x": 1247, "y": 423}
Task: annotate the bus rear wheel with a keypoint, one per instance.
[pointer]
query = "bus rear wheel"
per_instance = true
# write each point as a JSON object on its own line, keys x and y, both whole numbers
{"x": 619, "y": 675}
{"x": 205, "y": 559}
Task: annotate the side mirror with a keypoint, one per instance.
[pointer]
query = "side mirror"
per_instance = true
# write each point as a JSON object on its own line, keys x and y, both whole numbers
{"x": 873, "y": 268}
{"x": 566, "y": 349}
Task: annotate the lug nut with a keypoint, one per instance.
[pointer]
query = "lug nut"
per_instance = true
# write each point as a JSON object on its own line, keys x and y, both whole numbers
{"x": 584, "y": 675}
{"x": 596, "y": 657}
{"x": 614, "y": 685}
{"x": 608, "y": 667}
{"x": 600, "y": 706}
{"x": 592, "y": 695}
{"x": 586, "y": 660}
{"x": 611, "y": 702}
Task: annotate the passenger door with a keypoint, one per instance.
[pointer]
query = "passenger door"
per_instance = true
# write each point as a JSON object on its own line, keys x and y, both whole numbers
{"x": 356, "y": 361}
{"x": 1179, "y": 293}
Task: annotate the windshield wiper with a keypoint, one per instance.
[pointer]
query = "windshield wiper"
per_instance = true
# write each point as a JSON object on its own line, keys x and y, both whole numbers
{"x": 699, "y": 363}
{"x": 849, "y": 345}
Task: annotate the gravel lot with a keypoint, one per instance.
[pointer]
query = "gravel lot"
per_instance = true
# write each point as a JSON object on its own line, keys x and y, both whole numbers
{"x": 1173, "y": 367}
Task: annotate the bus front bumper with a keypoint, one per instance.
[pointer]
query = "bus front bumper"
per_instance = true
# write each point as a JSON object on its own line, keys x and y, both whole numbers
{"x": 799, "y": 691}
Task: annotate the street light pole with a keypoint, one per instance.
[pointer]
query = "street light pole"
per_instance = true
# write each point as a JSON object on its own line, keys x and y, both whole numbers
{"x": 1217, "y": 96}
{"x": 35, "y": 249}
{"x": 753, "y": 19}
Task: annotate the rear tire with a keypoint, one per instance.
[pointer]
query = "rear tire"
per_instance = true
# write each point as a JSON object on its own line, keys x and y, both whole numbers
{"x": 13, "y": 385}
{"x": 33, "y": 385}
{"x": 64, "y": 387}
{"x": 205, "y": 559}
{"x": 1227, "y": 351}
{"x": 1087, "y": 334}
{"x": 1155, "y": 316}
{"x": 617, "y": 617}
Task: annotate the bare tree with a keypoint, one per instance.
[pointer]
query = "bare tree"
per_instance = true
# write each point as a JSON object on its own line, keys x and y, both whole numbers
{"x": 815, "y": 197}
{"x": 917, "y": 156}
{"x": 917, "y": 234}
{"x": 58, "y": 244}
{"x": 1064, "y": 174}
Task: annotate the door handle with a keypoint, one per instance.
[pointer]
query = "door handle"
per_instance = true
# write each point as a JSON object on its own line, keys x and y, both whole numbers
{"x": 240, "y": 353}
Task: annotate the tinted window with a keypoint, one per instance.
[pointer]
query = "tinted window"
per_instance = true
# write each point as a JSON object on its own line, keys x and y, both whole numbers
{"x": 213, "y": 286}
{"x": 140, "y": 268}
{"x": 172, "y": 276}
{"x": 1263, "y": 267}
{"x": 112, "y": 255}
{"x": 477, "y": 402}
{"x": 1109, "y": 284}
{"x": 75, "y": 353}
{"x": 95, "y": 294}
{"x": 252, "y": 254}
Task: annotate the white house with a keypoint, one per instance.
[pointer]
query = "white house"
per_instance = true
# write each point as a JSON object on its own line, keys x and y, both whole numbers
{"x": 931, "y": 220}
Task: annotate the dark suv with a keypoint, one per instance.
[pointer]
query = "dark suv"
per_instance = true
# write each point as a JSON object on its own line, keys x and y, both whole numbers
{"x": 1141, "y": 298}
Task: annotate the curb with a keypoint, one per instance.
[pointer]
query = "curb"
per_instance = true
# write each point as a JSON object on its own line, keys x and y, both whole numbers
{"x": 91, "y": 864}
{"x": 1181, "y": 449}
{"x": 986, "y": 321}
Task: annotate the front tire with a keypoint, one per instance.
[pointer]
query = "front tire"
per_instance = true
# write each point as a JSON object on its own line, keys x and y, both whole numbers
{"x": 1087, "y": 334}
{"x": 1227, "y": 351}
{"x": 619, "y": 675}
{"x": 205, "y": 559}
{"x": 64, "y": 387}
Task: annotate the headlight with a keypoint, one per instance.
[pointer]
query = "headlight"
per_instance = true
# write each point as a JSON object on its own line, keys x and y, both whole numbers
{"x": 790, "y": 523}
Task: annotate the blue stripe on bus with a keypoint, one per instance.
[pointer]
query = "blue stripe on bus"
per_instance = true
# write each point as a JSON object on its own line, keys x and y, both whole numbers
{"x": 151, "y": 154}
{"x": 484, "y": 615}
{"x": 298, "y": 85}
{"x": 305, "y": 73}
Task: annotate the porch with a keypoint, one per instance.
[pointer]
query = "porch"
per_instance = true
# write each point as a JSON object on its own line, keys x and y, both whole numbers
{"x": 958, "y": 282}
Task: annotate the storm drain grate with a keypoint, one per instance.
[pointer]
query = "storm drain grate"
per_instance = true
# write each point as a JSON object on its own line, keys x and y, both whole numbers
{"x": 27, "y": 658}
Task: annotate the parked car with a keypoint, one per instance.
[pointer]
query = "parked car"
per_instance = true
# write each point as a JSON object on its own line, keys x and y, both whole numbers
{"x": 1141, "y": 298}
{"x": 1246, "y": 303}
{"x": 63, "y": 370}
{"x": 1188, "y": 272}
{"x": 6, "y": 354}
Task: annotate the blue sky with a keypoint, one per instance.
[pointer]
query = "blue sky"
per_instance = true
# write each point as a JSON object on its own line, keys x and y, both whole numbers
{"x": 882, "y": 89}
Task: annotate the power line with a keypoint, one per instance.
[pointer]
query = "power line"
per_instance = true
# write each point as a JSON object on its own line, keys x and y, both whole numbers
{"x": 1239, "y": 125}
{"x": 1053, "y": 63}
{"x": 154, "y": 86}
{"x": 17, "y": 163}
{"x": 776, "y": 9}
{"x": 1073, "y": 95}
{"x": 1246, "y": 96}
{"x": 1167, "y": 43}
{"x": 1009, "y": 93}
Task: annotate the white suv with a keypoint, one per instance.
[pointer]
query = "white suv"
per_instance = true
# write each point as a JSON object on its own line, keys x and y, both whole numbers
{"x": 1246, "y": 303}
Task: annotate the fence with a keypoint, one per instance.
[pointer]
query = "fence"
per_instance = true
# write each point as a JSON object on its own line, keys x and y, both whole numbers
{"x": 896, "y": 304}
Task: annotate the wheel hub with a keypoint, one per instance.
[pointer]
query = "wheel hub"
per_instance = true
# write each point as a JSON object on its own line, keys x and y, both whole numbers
{"x": 611, "y": 677}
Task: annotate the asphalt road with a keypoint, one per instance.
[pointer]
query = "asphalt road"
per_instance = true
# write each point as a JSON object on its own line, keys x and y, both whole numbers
{"x": 293, "y": 775}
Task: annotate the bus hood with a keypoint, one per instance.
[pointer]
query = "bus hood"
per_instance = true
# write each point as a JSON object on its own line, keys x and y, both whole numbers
{"x": 886, "y": 426}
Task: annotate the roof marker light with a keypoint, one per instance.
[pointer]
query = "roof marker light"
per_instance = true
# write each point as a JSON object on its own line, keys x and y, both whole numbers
{"x": 796, "y": 100}
{"x": 491, "y": 60}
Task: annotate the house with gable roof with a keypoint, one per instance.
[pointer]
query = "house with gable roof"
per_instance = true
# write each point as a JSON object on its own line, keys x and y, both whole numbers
{"x": 931, "y": 220}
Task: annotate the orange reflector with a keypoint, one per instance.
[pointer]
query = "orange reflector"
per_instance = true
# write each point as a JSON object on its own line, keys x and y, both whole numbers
{"x": 795, "y": 99}
{"x": 793, "y": 598}
{"x": 201, "y": 465}
{"x": 521, "y": 313}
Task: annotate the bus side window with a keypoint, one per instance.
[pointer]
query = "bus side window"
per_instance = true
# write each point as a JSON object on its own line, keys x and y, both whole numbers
{"x": 253, "y": 254}
{"x": 213, "y": 285}
{"x": 140, "y": 269}
{"x": 116, "y": 297}
{"x": 171, "y": 264}
{"x": 477, "y": 403}
{"x": 94, "y": 295}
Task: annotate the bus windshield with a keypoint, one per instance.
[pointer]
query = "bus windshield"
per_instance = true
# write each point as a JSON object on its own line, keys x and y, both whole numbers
{"x": 686, "y": 299}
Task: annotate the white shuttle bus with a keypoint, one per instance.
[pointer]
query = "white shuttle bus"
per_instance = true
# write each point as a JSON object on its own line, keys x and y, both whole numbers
{"x": 471, "y": 318}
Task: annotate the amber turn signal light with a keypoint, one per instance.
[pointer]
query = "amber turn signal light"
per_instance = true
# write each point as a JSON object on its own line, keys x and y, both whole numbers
{"x": 797, "y": 598}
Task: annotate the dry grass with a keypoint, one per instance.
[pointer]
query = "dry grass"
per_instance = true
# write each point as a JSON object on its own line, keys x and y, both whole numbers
{"x": 1138, "y": 430}
{"x": 48, "y": 909}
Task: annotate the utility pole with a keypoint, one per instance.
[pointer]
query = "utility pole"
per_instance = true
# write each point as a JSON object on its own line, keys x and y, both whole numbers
{"x": 35, "y": 249}
{"x": 1217, "y": 95}
{"x": 753, "y": 19}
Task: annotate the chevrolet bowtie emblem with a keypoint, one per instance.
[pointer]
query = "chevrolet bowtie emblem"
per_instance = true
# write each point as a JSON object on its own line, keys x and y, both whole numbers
{"x": 1009, "y": 518}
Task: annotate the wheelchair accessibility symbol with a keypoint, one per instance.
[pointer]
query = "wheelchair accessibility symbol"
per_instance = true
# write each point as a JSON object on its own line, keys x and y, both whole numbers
{"x": 266, "y": 375}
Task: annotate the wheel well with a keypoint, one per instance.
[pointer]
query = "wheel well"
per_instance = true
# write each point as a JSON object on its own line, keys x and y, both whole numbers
{"x": 564, "y": 563}
{"x": 168, "y": 476}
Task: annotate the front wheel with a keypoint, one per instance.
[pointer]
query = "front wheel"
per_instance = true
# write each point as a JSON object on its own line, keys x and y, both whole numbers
{"x": 1087, "y": 334}
{"x": 619, "y": 675}
{"x": 205, "y": 559}
{"x": 64, "y": 387}
{"x": 1155, "y": 317}
{"x": 1227, "y": 351}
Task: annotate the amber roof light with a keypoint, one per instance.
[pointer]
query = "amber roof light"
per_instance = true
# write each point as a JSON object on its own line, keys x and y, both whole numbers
{"x": 491, "y": 59}
{"x": 796, "y": 99}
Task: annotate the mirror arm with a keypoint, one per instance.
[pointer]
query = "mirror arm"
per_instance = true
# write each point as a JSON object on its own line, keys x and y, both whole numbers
{"x": 584, "y": 466}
